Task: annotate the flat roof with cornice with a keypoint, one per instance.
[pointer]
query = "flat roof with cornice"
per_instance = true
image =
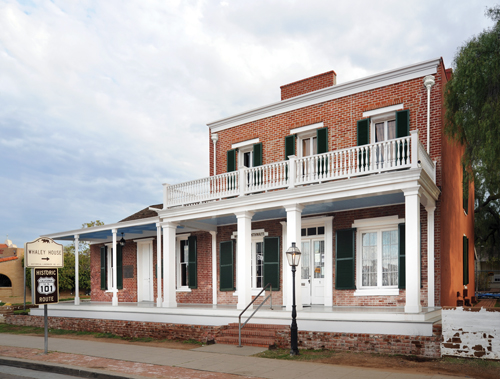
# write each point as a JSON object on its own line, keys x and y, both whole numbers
{"x": 325, "y": 94}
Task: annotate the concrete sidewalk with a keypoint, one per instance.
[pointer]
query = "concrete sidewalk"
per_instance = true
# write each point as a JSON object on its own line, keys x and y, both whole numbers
{"x": 106, "y": 360}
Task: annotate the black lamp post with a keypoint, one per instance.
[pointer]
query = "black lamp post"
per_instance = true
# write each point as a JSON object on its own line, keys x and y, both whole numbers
{"x": 293, "y": 256}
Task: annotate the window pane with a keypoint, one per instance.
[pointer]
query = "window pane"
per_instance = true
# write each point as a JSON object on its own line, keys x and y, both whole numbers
{"x": 390, "y": 258}
{"x": 379, "y": 132}
{"x": 391, "y": 129}
{"x": 314, "y": 147}
{"x": 369, "y": 259}
{"x": 305, "y": 274}
{"x": 259, "y": 258}
{"x": 319, "y": 259}
{"x": 311, "y": 231}
{"x": 306, "y": 143}
{"x": 321, "y": 230}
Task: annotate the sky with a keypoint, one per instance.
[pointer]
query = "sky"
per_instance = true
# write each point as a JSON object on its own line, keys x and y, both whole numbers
{"x": 101, "y": 102}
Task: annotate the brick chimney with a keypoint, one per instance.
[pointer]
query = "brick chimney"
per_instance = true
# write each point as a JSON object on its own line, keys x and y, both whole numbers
{"x": 307, "y": 85}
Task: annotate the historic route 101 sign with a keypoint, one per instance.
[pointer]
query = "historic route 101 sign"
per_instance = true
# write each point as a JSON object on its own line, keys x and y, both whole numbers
{"x": 44, "y": 252}
{"x": 46, "y": 286}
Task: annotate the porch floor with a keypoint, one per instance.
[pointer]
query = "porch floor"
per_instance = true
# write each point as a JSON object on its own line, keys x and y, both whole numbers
{"x": 336, "y": 319}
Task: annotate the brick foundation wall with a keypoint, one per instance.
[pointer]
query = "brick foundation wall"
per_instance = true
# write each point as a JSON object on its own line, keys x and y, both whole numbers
{"x": 373, "y": 343}
{"x": 129, "y": 329}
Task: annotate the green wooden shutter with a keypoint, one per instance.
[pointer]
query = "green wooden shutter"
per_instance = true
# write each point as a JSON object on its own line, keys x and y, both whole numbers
{"x": 403, "y": 130}
{"x": 322, "y": 140}
{"x": 257, "y": 154}
{"x": 289, "y": 146}
{"x": 119, "y": 266}
{"x": 192, "y": 262}
{"x": 156, "y": 269}
{"x": 363, "y": 131}
{"x": 272, "y": 262}
{"x": 226, "y": 266}
{"x": 104, "y": 281}
{"x": 465, "y": 259}
{"x": 344, "y": 263}
{"x": 231, "y": 160}
{"x": 465, "y": 190}
{"x": 402, "y": 123}
{"x": 322, "y": 147}
{"x": 402, "y": 257}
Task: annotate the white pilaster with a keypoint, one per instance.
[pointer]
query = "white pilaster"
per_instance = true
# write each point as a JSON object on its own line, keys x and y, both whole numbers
{"x": 328, "y": 262}
{"x": 412, "y": 251}
{"x": 293, "y": 223}
{"x": 114, "y": 287}
{"x": 214, "y": 267}
{"x": 158, "y": 265}
{"x": 244, "y": 259}
{"x": 430, "y": 255}
{"x": 169, "y": 298}
{"x": 77, "y": 275}
{"x": 287, "y": 275}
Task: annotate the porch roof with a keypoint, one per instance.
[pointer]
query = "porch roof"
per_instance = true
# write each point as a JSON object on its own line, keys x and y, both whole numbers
{"x": 139, "y": 225}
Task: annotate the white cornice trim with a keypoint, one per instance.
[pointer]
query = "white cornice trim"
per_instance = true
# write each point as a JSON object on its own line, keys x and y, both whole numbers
{"x": 307, "y": 128}
{"x": 379, "y": 111}
{"x": 334, "y": 92}
{"x": 244, "y": 143}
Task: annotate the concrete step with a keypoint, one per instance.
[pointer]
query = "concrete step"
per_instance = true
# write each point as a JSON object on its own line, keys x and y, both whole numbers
{"x": 246, "y": 341}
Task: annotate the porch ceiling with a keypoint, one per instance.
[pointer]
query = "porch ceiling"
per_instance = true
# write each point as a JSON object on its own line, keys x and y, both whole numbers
{"x": 316, "y": 208}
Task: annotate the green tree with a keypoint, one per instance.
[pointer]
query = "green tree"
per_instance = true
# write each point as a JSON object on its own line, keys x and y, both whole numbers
{"x": 472, "y": 100}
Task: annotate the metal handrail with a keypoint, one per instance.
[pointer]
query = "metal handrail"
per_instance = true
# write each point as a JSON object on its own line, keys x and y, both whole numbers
{"x": 260, "y": 305}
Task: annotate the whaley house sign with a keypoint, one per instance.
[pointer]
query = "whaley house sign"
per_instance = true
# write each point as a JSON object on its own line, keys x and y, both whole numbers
{"x": 44, "y": 252}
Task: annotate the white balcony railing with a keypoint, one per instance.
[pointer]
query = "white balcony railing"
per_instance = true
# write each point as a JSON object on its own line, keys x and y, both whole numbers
{"x": 385, "y": 156}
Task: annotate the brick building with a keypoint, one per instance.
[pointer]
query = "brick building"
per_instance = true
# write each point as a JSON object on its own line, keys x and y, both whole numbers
{"x": 359, "y": 175}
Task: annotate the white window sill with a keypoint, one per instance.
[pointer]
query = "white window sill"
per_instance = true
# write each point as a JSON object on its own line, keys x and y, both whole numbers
{"x": 183, "y": 289}
{"x": 377, "y": 292}
{"x": 255, "y": 292}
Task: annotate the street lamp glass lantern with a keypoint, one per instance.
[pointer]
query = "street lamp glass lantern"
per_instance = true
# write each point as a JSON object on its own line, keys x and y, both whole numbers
{"x": 293, "y": 255}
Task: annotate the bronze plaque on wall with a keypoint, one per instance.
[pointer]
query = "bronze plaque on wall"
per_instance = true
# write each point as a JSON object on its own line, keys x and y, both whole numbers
{"x": 128, "y": 272}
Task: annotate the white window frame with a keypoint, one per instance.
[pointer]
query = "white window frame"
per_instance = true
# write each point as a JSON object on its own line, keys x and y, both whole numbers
{"x": 179, "y": 287}
{"x": 304, "y": 132}
{"x": 378, "y": 119}
{"x": 378, "y": 225}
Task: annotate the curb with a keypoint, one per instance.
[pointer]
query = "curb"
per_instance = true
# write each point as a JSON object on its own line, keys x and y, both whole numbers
{"x": 56, "y": 369}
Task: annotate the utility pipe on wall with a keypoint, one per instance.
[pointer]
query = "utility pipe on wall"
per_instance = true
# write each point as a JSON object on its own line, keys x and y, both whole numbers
{"x": 215, "y": 138}
{"x": 428, "y": 83}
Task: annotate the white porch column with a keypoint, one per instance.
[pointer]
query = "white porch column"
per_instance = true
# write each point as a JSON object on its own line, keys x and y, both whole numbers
{"x": 412, "y": 251}
{"x": 158, "y": 265}
{"x": 293, "y": 226}
{"x": 430, "y": 255}
{"x": 169, "y": 298}
{"x": 77, "y": 275}
{"x": 114, "y": 287}
{"x": 214, "y": 267}
{"x": 244, "y": 259}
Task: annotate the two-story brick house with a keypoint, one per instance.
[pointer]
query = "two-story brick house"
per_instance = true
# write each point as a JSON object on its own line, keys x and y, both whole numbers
{"x": 359, "y": 175}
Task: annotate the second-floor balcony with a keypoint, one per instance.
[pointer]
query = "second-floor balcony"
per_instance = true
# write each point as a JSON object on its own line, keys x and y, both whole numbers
{"x": 396, "y": 154}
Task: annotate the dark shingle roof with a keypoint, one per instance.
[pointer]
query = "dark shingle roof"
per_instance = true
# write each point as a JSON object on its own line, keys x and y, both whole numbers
{"x": 145, "y": 213}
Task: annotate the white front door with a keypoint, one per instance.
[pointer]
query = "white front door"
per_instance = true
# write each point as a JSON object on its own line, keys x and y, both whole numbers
{"x": 313, "y": 271}
{"x": 145, "y": 271}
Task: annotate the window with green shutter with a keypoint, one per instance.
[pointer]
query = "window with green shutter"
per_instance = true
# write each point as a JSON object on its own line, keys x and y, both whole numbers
{"x": 363, "y": 138}
{"x": 344, "y": 261}
{"x": 226, "y": 266}
{"x": 322, "y": 147}
{"x": 272, "y": 262}
{"x": 192, "y": 262}
{"x": 231, "y": 160}
{"x": 465, "y": 260}
{"x": 104, "y": 266}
